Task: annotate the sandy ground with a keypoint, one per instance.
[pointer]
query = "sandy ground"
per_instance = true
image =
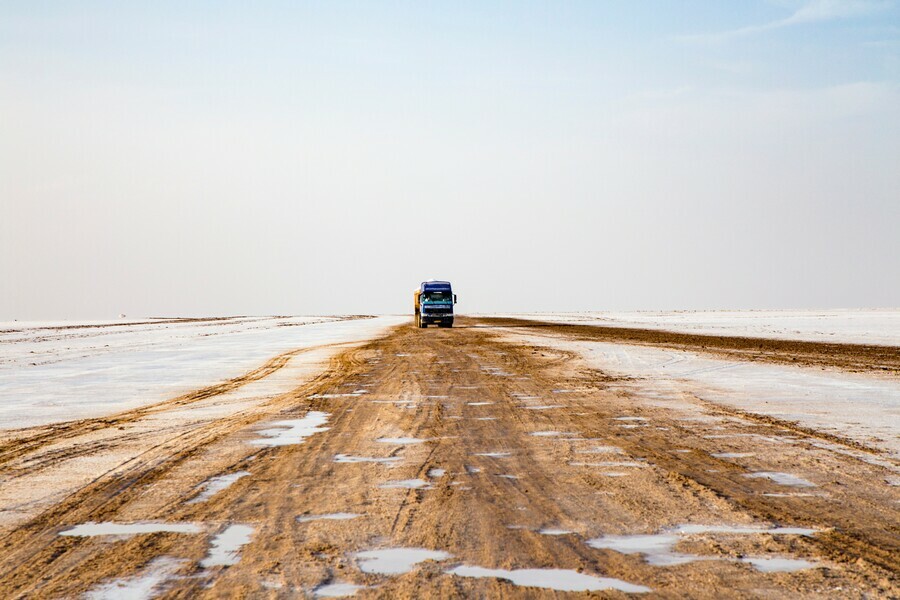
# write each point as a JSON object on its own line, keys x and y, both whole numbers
{"x": 453, "y": 463}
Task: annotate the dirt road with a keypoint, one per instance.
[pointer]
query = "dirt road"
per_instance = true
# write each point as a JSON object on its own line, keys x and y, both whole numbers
{"x": 451, "y": 463}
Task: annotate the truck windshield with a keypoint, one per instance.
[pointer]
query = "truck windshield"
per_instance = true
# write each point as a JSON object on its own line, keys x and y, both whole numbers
{"x": 436, "y": 296}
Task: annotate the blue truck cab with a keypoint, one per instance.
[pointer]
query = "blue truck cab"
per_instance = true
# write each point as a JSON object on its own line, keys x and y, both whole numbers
{"x": 434, "y": 302}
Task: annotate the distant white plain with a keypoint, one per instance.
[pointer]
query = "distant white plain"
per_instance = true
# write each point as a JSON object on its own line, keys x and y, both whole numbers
{"x": 857, "y": 326}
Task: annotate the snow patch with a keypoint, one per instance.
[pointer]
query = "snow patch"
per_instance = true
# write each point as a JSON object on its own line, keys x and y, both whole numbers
{"x": 412, "y": 484}
{"x": 226, "y": 547}
{"x": 293, "y": 431}
{"x": 554, "y": 531}
{"x": 347, "y": 458}
{"x": 563, "y": 580}
{"x": 395, "y": 561}
{"x": 338, "y": 516}
{"x": 91, "y": 529}
{"x": 217, "y": 484}
{"x": 338, "y": 590}
{"x": 778, "y": 565}
{"x": 781, "y": 478}
{"x": 141, "y": 587}
{"x": 658, "y": 549}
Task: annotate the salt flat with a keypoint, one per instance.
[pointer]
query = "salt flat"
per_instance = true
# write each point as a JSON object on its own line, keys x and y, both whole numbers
{"x": 500, "y": 458}
{"x": 51, "y": 372}
{"x": 853, "y": 326}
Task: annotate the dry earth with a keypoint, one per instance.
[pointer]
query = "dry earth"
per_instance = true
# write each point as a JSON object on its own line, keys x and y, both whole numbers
{"x": 499, "y": 455}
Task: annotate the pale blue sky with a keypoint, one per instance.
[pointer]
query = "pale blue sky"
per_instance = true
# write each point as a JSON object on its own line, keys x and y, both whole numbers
{"x": 284, "y": 157}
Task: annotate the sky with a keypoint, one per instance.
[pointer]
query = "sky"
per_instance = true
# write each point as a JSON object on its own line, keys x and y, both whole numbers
{"x": 220, "y": 158}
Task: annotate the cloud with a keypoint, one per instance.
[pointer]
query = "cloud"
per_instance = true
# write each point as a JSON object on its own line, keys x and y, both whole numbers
{"x": 813, "y": 11}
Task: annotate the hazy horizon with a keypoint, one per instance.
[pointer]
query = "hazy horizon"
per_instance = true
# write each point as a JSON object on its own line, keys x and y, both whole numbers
{"x": 306, "y": 158}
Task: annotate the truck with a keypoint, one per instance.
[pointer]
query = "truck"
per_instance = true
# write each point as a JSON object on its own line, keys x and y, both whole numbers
{"x": 433, "y": 303}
